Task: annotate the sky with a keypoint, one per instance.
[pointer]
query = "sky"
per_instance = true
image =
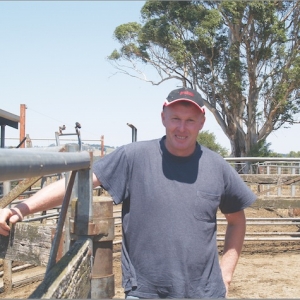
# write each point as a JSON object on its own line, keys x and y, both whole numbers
{"x": 53, "y": 59}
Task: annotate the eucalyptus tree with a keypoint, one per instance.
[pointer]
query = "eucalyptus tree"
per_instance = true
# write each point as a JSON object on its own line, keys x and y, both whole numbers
{"x": 242, "y": 56}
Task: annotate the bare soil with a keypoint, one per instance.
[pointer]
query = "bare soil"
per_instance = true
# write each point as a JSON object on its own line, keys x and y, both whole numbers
{"x": 266, "y": 269}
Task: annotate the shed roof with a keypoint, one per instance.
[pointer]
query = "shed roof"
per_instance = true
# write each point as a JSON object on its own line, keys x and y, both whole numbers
{"x": 7, "y": 118}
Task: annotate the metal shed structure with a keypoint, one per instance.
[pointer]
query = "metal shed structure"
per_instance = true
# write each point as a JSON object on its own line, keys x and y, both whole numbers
{"x": 7, "y": 119}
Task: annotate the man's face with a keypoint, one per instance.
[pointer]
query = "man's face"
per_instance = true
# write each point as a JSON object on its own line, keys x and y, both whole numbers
{"x": 182, "y": 121}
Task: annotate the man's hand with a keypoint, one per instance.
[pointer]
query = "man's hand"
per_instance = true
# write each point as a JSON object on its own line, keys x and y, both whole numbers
{"x": 48, "y": 197}
{"x": 8, "y": 216}
{"x": 233, "y": 244}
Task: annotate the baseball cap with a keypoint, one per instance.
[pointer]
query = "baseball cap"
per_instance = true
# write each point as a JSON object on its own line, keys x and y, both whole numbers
{"x": 185, "y": 94}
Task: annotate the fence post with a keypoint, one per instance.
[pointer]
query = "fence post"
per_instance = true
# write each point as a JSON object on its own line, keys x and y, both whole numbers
{"x": 92, "y": 217}
{"x": 101, "y": 230}
{"x": 279, "y": 187}
{"x": 103, "y": 283}
{"x": 293, "y": 187}
{"x": 7, "y": 263}
{"x": 71, "y": 147}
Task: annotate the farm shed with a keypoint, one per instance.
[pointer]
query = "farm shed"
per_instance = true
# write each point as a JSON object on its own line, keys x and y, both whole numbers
{"x": 7, "y": 119}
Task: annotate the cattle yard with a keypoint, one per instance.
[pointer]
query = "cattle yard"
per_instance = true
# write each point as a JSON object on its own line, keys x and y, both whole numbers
{"x": 267, "y": 268}
{"x": 270, "y": 257}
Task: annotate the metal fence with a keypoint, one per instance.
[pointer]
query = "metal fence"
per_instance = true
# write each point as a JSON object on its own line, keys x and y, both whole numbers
{"x": 22, "y": 164}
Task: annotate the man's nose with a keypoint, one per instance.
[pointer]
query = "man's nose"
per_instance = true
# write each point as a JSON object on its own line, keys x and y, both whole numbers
{"x": 181, "y": 126}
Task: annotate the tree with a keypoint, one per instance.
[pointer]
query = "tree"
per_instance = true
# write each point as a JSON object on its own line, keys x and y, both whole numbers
{"x": 261, "y": 149}
{"x": 242, "y": 56}
{"x": 294, "y": 154}
{"x": 208, "y": 140}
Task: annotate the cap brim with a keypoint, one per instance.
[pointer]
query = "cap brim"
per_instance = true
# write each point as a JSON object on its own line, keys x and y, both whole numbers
{"x": 186, "y": 100}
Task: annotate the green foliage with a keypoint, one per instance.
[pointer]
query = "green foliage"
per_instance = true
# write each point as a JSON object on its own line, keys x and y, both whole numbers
{"x": 275, "y": 154}
{"x": 261, "y": 149}
{"x": 294, "y": 154}
{"x": 208, "y": 140}
{"x": 128, "y": 36}
{"x": 127, "y": 32}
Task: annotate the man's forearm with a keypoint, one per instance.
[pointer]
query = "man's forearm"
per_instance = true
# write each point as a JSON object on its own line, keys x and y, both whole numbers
{"x": 233, "y": 244}
{"x": 50, "y": 196}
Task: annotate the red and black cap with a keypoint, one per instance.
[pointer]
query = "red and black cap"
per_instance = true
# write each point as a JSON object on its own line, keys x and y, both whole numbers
{"x": 186, "y": 94}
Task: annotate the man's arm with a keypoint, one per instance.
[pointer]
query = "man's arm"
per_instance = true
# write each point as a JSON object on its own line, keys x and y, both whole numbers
{"x": 50, "y": 196}
{"x": 233, "y": 244}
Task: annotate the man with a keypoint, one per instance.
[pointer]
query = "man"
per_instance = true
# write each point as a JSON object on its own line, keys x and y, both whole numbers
{"x": 171, "y": 189}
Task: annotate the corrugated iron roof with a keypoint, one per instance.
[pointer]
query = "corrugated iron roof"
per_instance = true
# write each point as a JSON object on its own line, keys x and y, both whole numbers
{"x": 7, "y": 118}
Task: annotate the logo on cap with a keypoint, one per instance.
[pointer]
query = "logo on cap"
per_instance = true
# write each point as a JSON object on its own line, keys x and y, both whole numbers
{"x": 187, "y": 93}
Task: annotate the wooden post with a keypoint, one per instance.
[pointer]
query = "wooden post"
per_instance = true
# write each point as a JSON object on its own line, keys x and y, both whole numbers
{"x": 22, "y": 123}
{"x": 7, "y": 275}
{"x": 102, "y": 279}
{"x": 101, "y": 230}
{"x": 7, "y": 263}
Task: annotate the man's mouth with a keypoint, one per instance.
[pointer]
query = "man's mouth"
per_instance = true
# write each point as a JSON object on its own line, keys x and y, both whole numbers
{"x": 180, "y": 137}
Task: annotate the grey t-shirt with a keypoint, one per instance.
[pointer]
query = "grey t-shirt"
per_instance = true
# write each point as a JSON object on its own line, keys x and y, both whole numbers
{"x": 169, "y": 210}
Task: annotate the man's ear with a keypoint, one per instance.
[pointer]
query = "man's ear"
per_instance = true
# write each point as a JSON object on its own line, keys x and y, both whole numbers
{"x": 202, "y": 121}
{"x": 163, "y": 118}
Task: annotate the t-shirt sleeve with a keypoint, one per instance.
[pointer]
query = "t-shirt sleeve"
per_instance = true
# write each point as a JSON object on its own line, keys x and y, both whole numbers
{"x": 237, "y": 195}
{"x": 112, "y": 171}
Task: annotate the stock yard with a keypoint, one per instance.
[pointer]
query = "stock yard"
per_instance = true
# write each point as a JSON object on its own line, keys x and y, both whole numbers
{"x": 268, "y": 267}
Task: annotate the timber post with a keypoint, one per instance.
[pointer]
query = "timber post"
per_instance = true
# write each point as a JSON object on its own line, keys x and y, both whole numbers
{"x": 7, "y": 263}
{"x": 101, "y": 231}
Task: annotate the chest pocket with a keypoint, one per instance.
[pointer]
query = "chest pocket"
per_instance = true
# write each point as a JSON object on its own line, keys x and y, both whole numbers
{"x": 206, "y": 206}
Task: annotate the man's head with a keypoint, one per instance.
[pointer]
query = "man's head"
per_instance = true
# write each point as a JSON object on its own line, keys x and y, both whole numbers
{"x": 186, "y": 94}
{"x": 183, "y": 117}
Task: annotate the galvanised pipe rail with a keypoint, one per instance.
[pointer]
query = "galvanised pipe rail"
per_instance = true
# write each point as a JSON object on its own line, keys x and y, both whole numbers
{"x": 262, "y": 239}
{"x": 268, "y": 233}
{"x": 43, "y": 149}
{"x": 268, "y": 223}
{"x": 15, "y": 163}
{"x": 259, "y": 159}
{"x": 273, "y": 239}
{"x": 248, "y": 223}
{"x": 41, "y": 217}
{"x": 266, "y": 219}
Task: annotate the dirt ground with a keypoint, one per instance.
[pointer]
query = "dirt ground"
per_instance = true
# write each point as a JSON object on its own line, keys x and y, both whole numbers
{"x": 266, "y": 269}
